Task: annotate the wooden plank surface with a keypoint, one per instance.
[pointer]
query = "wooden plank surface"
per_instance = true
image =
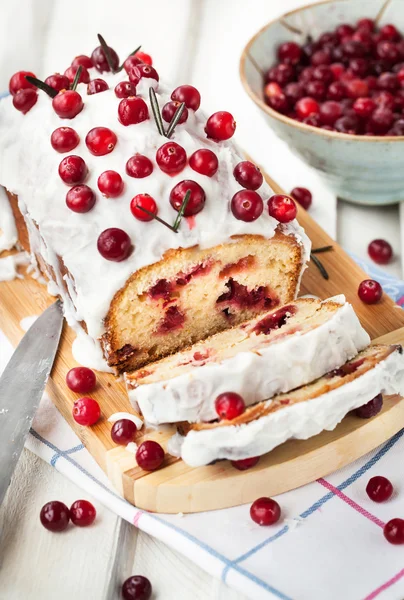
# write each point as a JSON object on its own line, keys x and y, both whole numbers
{"x": 179, "y": 488}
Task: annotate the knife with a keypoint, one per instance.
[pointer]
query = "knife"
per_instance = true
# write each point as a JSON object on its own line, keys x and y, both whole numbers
{"x": 22, "y": 385}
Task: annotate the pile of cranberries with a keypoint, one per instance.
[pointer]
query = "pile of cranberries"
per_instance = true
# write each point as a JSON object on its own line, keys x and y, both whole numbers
{"x": 350, "y": 80}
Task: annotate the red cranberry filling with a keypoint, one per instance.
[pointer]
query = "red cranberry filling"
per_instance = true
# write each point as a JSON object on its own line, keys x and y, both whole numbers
{"x": 202, "y": 269}
{"x": 346, "y": 369}
{"x": 242, "y": 297}
{"x": 275, "y": 321}
{"x": 244, "y": 263}
{"x": 161, "y": 289}
{"x": 173, "y": 319}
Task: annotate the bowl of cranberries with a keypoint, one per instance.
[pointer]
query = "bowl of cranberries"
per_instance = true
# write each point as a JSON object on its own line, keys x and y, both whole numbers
{"x": 329, "y": 79}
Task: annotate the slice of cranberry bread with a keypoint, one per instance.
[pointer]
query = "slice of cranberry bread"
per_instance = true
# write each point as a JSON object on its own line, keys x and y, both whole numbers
{"x": 299, "y": 414}
{"x": 273, "y": 353}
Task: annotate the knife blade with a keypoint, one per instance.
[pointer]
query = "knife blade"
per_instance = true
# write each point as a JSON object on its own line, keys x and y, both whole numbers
{"x": 22, "y": 385}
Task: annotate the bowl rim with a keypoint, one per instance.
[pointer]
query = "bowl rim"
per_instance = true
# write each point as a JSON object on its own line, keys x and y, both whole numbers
{"x": 283, "y": 118}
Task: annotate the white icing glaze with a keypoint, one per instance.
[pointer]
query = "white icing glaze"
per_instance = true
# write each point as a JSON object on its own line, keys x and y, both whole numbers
{"x": 8, "y": 230}
{"x": 279, "y": 367}
{"x": 29, "y": 168}
{"x": 131, "y": 447}
{"x": 26, "y": 322}
{"x": 88, "y": 353}
{"x": 300, "y": 421}
{"x": 125, "y": 415}
{"x": 9, "y": 265}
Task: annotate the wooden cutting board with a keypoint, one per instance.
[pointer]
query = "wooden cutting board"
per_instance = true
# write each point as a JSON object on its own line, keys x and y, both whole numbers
{"x": 175, "y": 487}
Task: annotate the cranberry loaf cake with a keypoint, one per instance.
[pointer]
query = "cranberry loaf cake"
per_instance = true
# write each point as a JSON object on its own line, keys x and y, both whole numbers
{"x": 299, "y": 414}
{"x": 273, "y": 353}
{"x": 155, "y": 234}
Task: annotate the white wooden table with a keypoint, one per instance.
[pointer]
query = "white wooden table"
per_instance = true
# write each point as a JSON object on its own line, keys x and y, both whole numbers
{"x": 192, "y": 41}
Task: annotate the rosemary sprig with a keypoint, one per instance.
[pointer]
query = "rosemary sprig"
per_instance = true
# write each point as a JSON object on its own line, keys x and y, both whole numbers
{"x": 175, "y": 120}
{"x": 181, "y": 211}
{"x": 76, "y": 78}
{"x": 41, "y": 85}
{"x": 322, "y": 249}
{"x": 107, "y": 53}
{"x": 154, "y": 216}
{"x": 131, "y": 54}
{"x": 319, "y": 266}
{"x": 156, "y": 111}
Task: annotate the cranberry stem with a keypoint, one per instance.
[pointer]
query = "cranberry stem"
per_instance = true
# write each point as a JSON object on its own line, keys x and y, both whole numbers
{"x": 156, "y": 218}
{"x": 319, "y": 266}
{"x": 175, "y": 120}
{"x": 107, "y": 53}
{"x": 322, "y": 249}
{"x": 131, "y": 54}
{"x": 156, "y": 112}
{"x": 182, "y": 210}
{"x": 41, "y": 85}
{"x": 76, "y": 78}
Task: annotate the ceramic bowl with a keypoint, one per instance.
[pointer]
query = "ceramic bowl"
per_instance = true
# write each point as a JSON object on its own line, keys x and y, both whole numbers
{"x": 362, "y": 169}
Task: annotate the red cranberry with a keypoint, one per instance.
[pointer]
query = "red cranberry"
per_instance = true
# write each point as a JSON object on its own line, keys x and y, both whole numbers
{"x": 281, "y": 74}
{"x": 82, "y": 513}
{"x": 114, "y": 244}
{"x": 146, "y": 58}
{"x": 306, "y": 106}
{"x": 67, "y": 104}
{"x": 100, "y": 62}
{"x": 365, "y": 24}
{"x": 371, "y": 408}
{"x": 82, "y": 61}
{"x": 81, "y": 380}
{"x": 171, "y": 158}
{"x": 123, "y": 432}
{"x": 389, "y": 32}
{"x": 279, "y": 103}
{"x": 356, "y": 88}
{"x": 80, "y": 198}
{"x": 306, "y": 75}
{"x": 196, "y": 201}
{"x": 353, "y": 49}
{"x": 229, "y": 405}
{"x": 96, "y": 86}
{"x": 187, "y": 94}
{"x": 380, "y": 252}
{"x": 282, "y": 208}
{"x": 132, "y": 111}
{"x": 139, "y": 166}
{"x": 359, "y": 66}
{"x": 364, "y": 107}
{"x": 379, "y": 489}
{"x": 248, "y": 175}
{"x": 245, "y": 463}
{"x": 330, "y": 111}
{"x": 381, "y": 120}
{"x": 337, "y": 69}
{"x": 323, "y": 73}
{"x": 125, "y": 89}
{"x": 394, "y": 531}
{"x": 142, "y": 71}
{"x": 54, "y": 516}
{"x": 86, "y": 411}
{"x": 170, "y": 109}
{"x": 149, "y": 455}
{"x": 316, "y": 90}
{"x": 293, "y": 92}
{"x": 387, "y": 51}
{"x": 247, "y": 205}
{"x": 344, "y": 30}
{"x": 71, "y": 72}
{"x": 313, "y": 120}
{"x": 58, "y": 82}
{"x": 131, "y": 62}
{"x": 336, "y": 91}
{"x": 370, "y": 291}
{"x": 302, "y": 196}
{"x": 101, "y": 141}
{"x": 137, "y": 587}
{"x": 289, "y": 53}
{"x": 220, "y": 126}
{"x": 204, "y": 161}
{"x": 384, "y": 100}
{"x": 321, "y": 57}
{"x": 143, "y": 201}
{"x": 388, "y": 81}
{"x": 72, "y": 169}
{"x": 110, "y": 184}
{"x": 25, "y": 99}
{"x": 347, "y": 124}
{"x": 64, "y": 139}
{"x": 265, "y": 511}
{"x": 18, "y": 82}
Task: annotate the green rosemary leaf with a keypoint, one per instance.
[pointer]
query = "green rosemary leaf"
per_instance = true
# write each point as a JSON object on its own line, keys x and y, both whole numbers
{"x": 131, "y": 54}
{"x": 41, "y": 85}
{"x": 182, "y": 210}
{"x": 76, "y": 78}
{"x": 106, "y": 52}
{"x": 320, "y": 266}
{"x": 156, "y": 111}
{"x": 322, "y": 249}
{"x": 156, "y": 218}
{"x": 175, "y": 119}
